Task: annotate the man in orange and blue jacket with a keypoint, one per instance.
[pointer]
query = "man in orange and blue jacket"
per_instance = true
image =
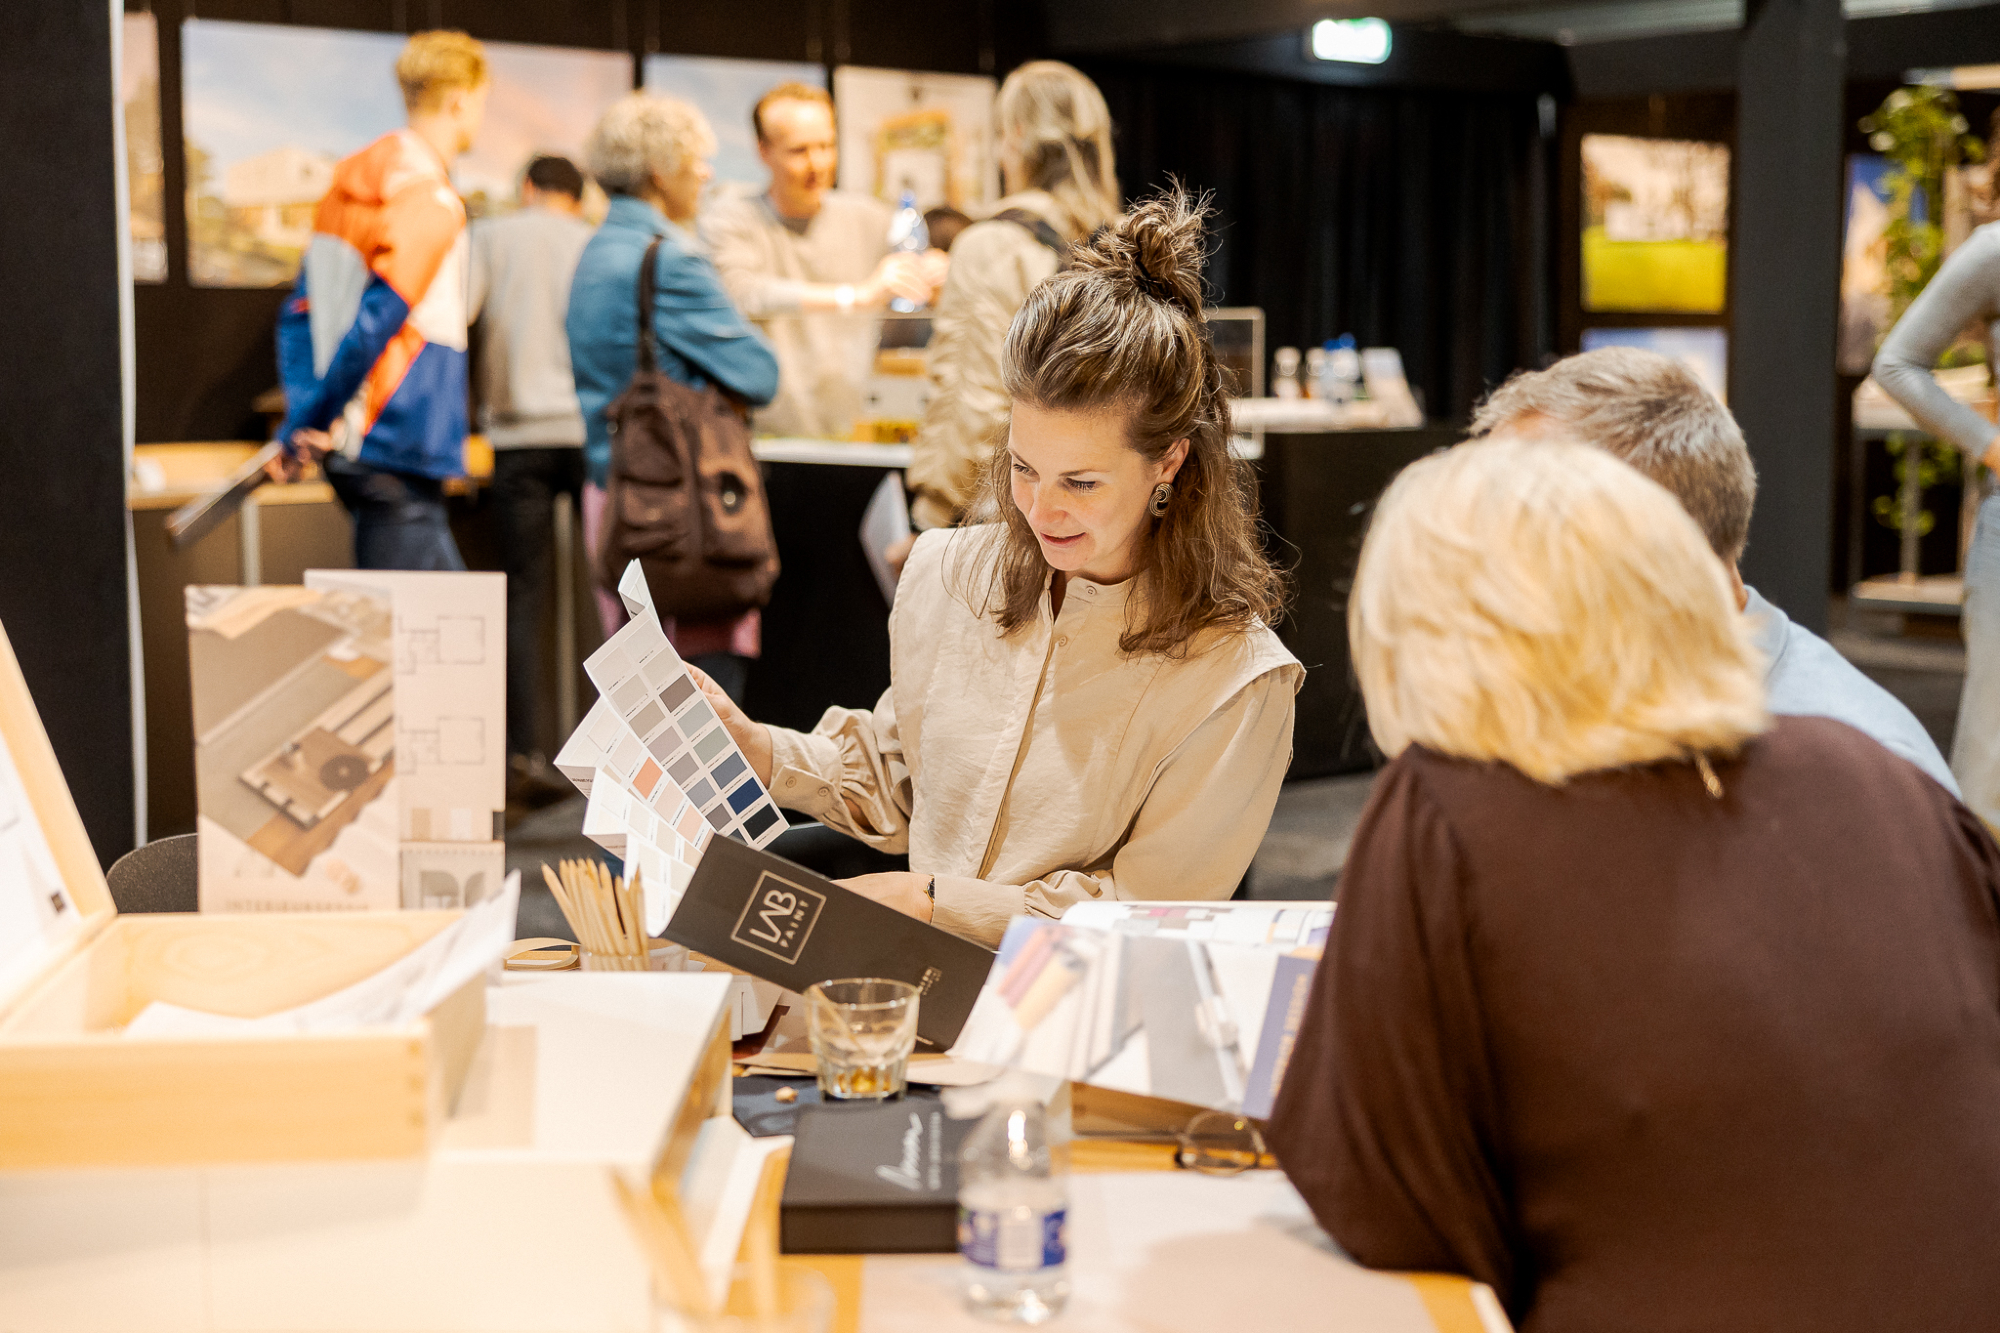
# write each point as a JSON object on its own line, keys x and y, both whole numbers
{"x": 372, "y": 345}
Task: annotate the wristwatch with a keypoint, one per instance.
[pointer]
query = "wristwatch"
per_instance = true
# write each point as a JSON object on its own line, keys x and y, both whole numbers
{"x": 930, "y": 889}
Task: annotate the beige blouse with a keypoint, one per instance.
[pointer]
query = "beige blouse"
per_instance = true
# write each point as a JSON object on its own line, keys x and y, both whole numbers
{"x": 1044, "y": 768}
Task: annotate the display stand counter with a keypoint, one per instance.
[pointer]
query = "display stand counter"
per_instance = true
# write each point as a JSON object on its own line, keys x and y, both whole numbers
{"x": 1318, "y": 489}
{"x": 826, "y": 630}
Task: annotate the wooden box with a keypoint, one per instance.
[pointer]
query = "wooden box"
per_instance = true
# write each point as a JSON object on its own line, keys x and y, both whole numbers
{"x": 75, "y": 1092}
{"x": 509, "y": 1224}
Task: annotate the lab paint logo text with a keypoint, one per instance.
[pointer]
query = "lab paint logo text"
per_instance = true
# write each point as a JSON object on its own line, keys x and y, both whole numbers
{"x": 779, "y": 918}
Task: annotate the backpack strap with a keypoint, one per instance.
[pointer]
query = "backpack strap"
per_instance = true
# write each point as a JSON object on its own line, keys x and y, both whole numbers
{"x": 1038, "y": 227}
{"x": 648, "y": 290}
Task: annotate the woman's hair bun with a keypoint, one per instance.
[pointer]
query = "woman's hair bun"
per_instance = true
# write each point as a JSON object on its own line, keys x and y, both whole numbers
{"x": 1159, "y": 246}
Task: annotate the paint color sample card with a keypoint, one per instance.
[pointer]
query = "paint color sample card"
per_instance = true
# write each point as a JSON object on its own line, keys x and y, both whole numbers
{"x": 658, "y": 833}
{"x": 669, "y": 729}
{"x": 589, "y": 747}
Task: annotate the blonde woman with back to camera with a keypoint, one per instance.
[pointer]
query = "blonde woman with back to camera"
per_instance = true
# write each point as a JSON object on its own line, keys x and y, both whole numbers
{"x": 1647, "y": 1010}
{"x": 1062, "y": 184}
{"x": 1086, "y": 700}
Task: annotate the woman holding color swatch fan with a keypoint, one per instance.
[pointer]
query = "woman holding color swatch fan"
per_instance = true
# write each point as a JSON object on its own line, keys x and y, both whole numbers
{"x": 1087, "y": 700}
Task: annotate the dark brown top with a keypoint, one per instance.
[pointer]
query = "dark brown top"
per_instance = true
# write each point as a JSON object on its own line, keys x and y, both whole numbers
{"x": 1644, "y": 1060}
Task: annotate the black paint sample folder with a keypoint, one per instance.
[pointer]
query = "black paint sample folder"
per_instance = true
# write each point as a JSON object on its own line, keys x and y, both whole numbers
{"x": 763, "y": 915}
{"x": 873, "y": 1178}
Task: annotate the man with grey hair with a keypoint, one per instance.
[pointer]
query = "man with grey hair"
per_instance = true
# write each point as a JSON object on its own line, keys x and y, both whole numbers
{"x": 1652, "y": 412}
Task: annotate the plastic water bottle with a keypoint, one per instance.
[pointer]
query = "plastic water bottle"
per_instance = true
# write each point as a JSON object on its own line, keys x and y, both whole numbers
{"x": 1343, "y": 370}
{"x": 908, "y": 234}
{"x": 1013, "y": 1208}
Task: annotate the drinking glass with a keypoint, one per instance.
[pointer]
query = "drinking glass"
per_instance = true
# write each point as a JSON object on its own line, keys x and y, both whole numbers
{"x": 862, "y": 1030}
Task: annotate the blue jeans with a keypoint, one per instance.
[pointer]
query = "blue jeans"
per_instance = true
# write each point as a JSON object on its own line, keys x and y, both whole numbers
{"x": 1975, "y": 746}
{"x": 399, "y": 519}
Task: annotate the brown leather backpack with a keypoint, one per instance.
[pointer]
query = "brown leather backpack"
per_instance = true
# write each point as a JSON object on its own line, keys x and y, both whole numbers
{"x": 685, "y": 498}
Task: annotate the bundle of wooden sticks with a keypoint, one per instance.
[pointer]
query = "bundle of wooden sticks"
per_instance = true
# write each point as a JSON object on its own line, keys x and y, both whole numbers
{"x": 608, "y": 915}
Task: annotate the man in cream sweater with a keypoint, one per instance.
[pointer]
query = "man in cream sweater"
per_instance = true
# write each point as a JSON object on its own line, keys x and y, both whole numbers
{"x": 809, "y": 265}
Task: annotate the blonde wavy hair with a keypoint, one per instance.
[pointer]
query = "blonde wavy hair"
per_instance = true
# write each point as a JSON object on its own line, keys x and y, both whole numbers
{"x": 1542, "y": 604}
{"x": 436, "y": 63}
{"x": 1054, "y": 116}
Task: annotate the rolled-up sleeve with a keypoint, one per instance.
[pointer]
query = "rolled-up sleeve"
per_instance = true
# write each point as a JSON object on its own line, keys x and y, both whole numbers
{"x": 848, "y": 773}
{"x": 1966, "y": 290}
{"x": 1194, "y": 836}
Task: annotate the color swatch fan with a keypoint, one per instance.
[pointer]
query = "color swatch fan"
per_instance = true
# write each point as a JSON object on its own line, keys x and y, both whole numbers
{"x": 661, "y": 771}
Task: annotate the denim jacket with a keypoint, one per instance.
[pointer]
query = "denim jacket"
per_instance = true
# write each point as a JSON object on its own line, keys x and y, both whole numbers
{"x": 702, "y": 339}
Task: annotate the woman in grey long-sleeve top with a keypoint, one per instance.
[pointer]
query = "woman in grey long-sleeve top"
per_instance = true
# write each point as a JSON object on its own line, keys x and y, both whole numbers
{"x": 1965, "y": 291}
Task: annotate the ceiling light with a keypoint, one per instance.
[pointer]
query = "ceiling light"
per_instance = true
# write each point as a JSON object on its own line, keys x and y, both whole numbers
{"x": 1356, "y": 41}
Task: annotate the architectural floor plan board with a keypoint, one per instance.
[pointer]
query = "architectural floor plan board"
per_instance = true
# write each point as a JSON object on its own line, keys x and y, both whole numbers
{"x": 450, "y": 666}
{"x": 295, "y": 748}
{"x": 451, "y": 697}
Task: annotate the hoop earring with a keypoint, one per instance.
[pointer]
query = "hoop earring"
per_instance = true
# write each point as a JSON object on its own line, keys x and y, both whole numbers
{"x": 1163, "y": 495}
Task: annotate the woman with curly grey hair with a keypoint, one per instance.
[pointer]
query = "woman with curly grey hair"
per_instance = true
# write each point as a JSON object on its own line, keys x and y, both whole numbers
{"x": 650, "y": 154}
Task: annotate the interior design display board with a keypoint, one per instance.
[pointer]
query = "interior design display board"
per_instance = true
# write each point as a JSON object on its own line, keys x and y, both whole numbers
{"x": 511, "y": 1222}
{"x": 75, "y": 1091}
{"x": 1194, "y": 1002}
{"x": 349, "y": 741}
{"x": 145, "y": 166}
{"x": 1655, "y": 224}
{"x": 931, "y": 134}
{"x": 726, "y": 91}
{"x": 269, "y": 109}
{"x": 1705, "y": 351}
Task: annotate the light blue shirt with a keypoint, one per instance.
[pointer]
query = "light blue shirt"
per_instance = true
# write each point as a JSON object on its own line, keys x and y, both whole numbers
{"x": 701, "y": 338}
{"x": 1808, "y": 678}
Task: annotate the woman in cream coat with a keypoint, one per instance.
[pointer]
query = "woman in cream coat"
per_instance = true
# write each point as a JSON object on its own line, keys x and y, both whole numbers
{"x": 1087, "y": 699}
{"x": 1062, "y": 184}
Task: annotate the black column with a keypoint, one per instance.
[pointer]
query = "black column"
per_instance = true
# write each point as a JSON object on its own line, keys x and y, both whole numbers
{"x": 1785, "y": 290}
{"x": 62, "y": 464}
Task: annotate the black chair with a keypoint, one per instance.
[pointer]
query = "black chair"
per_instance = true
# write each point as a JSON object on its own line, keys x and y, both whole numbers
{"x": 159, "y": 877}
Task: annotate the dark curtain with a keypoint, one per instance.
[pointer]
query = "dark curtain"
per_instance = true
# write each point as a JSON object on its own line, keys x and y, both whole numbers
{"x": 1400, "y": 217}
